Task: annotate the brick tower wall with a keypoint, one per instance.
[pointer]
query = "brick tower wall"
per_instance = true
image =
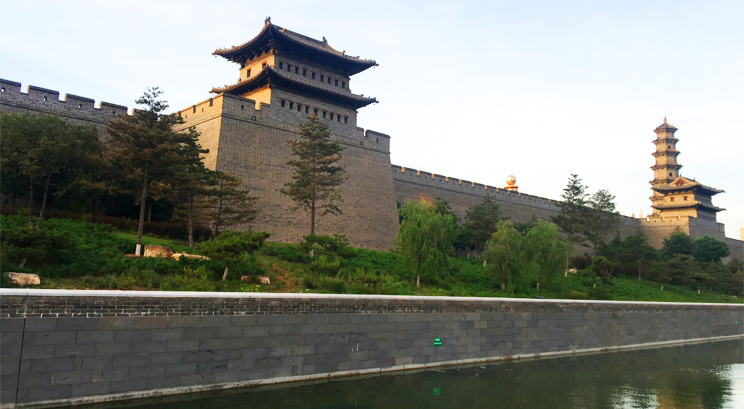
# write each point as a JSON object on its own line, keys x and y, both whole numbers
{"x": 249, "y": 140}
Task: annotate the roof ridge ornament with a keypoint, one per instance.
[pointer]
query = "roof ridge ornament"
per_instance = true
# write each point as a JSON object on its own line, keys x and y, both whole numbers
{"x": 268, "y": 20}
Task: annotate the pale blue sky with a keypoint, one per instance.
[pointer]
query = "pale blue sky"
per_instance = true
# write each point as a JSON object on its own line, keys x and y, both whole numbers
{"x": 471, "y": 90}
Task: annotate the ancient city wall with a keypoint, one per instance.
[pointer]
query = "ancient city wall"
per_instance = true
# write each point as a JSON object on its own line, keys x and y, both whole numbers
{"x": 46, "y": 101}
{"x": 63, "y": 347}
{"x": 412, "y": 184}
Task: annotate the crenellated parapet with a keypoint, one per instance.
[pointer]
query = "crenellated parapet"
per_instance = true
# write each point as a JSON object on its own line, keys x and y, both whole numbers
{"x": 46, "y": 101}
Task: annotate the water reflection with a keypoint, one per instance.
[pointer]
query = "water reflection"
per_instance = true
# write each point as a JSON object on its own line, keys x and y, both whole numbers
{"x": 695, "y": 376}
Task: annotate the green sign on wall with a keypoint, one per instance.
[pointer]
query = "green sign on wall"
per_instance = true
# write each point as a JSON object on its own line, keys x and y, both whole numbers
{"x": 437, "y": 342}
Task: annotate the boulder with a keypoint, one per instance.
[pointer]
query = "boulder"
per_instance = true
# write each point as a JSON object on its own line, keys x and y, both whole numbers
{"x": 263, "y": 280}
{"x": 177, "y": 256}
{"x": 24, "y": 279}
{"x": 152, "y": 250}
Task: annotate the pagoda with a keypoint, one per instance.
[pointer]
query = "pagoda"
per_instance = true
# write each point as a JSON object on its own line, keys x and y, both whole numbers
{"x": 300, "y": 74}
{"x": 674, "y": 195}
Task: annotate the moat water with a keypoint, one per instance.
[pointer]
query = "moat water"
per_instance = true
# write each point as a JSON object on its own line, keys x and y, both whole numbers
{"x": 708, "y": 376}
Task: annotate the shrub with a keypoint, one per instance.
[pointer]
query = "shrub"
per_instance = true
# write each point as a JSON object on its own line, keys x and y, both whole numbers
{"x": 325, "y": 266}
{"x": 287, "y": 253}
{"x": 330, "y": 246}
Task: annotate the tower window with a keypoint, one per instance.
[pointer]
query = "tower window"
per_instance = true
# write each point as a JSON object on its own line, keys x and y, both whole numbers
{"x": 289, "y": 67}
{"x": 685, "y": 198}
{"x": 322, "y": 78}
{"x": 304, "y": 72}
{"x": 299, "y": 108}
{"x": 242, "y": 107}
{"x": 247, "y": 73}
{"x": 325, "y": 113}
{"x": 670, "y": 174}
{"x": 315, "y": 111}
{"x": 281, "y": 65}
{"x": 671, "y": 199}
{"x": 329, "y": 80}
{"x": 343, "y": 84}
{"x": 338, "y": 118}
{"x": 283, "y": 103}
{"x": 331, "y": 116}
{"x": 336, "y": 83}
{"x": 312, "y": 75}
{"x": 346, "y": 119}
{"x": 307, "y": 110}
{"x": 297, "y": 70}
{"x": 291, "y": 105}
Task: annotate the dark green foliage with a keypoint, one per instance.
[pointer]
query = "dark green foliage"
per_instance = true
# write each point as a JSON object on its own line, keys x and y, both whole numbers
{"x": 287, "y": 253}
{"x": 47, "y": 153}
{"x": 480, "y": 222}
{"x": 317, "y": 175}
{"x": 601, "y": 271}
{"x": 232, "y": 247}
{"x": 678, "y": 243}
{"x": 709, "y": 249}
{"x": 59, "y": 247}
{"x": 329, "y": 246}
{"x": 587, "y": 220}
{"x": 632, "y": 255}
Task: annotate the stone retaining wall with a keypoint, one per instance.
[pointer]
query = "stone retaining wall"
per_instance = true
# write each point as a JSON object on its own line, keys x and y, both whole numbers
{"x": 63, "y": 346}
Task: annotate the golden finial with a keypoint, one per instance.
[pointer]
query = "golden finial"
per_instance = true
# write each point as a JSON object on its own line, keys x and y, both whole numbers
{"x": 665, "y": 119}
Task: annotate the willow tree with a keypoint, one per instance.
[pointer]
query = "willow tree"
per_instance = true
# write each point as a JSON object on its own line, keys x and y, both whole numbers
{"x": 317, "y": 174}
{"x": 425, "y": 239}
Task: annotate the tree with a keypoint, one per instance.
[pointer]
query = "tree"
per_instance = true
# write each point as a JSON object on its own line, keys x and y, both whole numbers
{"x": 678, "y": 242}
{"x": 231, "y": 246}
{"x": 547, "y": 255}
{"x": 230, "y": 204}
{"x": 601, "y": 269}
{"x": 45, "y": 149}
{"x": 504, "y": 253}
{"x": 603, "y": 219}
{"x": 707, "y": 248}
{"x": 480, "y": 222}
{"x": 632, "y": 254}
{"x": 146, "y": 151}
{"x": 317, "y": 175}
{"x": 424, "y": 239}
{"x": 573, "y": 214}
{"x": 193, "y": 203}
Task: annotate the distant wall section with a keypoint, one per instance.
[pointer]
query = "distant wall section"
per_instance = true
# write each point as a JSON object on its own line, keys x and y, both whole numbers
{"x": 76, "y": 109}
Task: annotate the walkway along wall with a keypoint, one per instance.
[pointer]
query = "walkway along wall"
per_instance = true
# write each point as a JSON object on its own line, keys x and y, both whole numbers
{"x": 62, "y": 347}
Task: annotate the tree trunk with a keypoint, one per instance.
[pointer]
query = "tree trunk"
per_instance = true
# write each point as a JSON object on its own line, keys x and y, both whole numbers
{"x": 503, "y": 281}
{"x": 149, "y": 213}
{"x": 224, "y": 275}
{"x": 418, "y": 280}
{"x": 639, "y": 274}
{"x": 141, "y": 225}
{"x": 538, "y": 283}
{"x": 44, "y": 200}
{"x": 191, "y": 223}
{"x": 30, "y": 201}
{"x": 312, "y": 227}
{"x": 662, "y": 287}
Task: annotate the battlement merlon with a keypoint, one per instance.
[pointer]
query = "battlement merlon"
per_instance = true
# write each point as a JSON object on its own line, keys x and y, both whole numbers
{"x": 48, "y": 100}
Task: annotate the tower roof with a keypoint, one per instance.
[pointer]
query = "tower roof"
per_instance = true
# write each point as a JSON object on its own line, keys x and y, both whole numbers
{"x": 683, "y": 183}
{"x": 665, "y": 126}
{"x": 273, "y": 36}
{"x": 270, "y": 76}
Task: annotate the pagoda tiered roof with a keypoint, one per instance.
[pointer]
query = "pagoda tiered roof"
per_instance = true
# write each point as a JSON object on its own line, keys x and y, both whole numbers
{"x": 687, "y": 205}
{"x": 271, "y": 76}
{"x": 683, "y": 183}
{"x": 273, "y": 36}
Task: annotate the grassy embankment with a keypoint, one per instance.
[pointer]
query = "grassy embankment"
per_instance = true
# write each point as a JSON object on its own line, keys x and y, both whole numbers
{"x": 81, "y": 255}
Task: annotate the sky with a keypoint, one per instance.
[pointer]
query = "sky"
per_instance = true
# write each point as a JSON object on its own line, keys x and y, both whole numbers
{"x": 467, "y": 89}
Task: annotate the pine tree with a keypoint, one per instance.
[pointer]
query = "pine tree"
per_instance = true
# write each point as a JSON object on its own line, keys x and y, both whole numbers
{"x": 229, "y": 203}
{"x": 317, "y": 175}
{"x": 146, "y": 152}
{"x": 572, "y": 219}
{"x": 480, "y": 222}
